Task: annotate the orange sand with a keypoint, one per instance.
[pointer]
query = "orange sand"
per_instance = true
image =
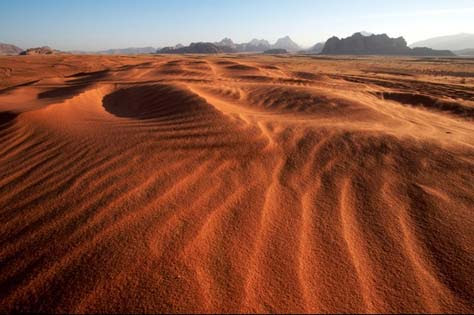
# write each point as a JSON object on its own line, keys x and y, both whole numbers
{"x": 236, "y": 184}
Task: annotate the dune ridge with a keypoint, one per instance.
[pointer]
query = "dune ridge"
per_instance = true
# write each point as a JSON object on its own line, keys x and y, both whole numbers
{"x": 243, "y": 184}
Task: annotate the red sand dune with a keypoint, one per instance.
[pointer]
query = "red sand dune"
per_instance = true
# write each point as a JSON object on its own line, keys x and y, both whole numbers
{"x": 236, "y": 184}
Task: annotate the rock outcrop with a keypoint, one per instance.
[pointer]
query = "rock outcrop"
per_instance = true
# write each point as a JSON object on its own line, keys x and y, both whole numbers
{"x": 359, "y": 44}
{"x": 45, "y": 50}
{"x": 226, "y": 45}
{"x": 197, "y": 48}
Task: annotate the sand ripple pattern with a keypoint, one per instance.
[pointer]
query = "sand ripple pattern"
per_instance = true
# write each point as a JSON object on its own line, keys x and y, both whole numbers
{"x": 234, "y": 185}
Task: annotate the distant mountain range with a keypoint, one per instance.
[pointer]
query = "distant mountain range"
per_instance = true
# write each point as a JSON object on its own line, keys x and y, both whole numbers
{"x": 381, "y": 44}
{"x": 318, "y": 47}
{"x": 226, "y": 45}
{"x": 451, "y": 42}
{"x": 361, "y": 43}
{"x": 119, "y": 51}
{"x": 8, "y": 49}
{"x": 465, "y": 52}
{"x": 255, "y": 45}
{"x": 197, "y": 48}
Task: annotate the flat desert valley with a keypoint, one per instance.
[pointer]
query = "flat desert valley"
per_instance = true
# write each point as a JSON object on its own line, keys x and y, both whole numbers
{"x": 236, "y": 183}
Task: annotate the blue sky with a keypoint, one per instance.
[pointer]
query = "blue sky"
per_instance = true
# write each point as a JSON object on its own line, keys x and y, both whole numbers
{"x": 102, "y": 24}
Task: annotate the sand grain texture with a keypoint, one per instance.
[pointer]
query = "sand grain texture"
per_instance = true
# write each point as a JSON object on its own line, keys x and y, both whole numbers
{"x": 236, "y": 184}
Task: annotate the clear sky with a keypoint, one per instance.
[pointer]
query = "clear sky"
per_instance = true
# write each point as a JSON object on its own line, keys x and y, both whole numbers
{"x": 103, "y": 24}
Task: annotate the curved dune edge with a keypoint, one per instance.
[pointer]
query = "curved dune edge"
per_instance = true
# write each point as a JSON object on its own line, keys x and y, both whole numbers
{"x": 193, "y": 185}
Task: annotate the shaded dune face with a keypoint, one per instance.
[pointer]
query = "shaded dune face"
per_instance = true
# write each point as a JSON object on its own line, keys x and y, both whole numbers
{"x": 176, "y": 184}
{"x": 6, "y": 118}
{"x": 154, "y": 101}
{"x": 430, "y": 102}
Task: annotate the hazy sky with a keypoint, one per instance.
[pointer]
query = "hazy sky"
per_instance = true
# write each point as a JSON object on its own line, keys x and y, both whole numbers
{"x": 102, "y": 24}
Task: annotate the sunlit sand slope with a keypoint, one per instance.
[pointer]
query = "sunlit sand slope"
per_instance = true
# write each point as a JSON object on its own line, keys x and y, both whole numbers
{"x": 236, "y": 184}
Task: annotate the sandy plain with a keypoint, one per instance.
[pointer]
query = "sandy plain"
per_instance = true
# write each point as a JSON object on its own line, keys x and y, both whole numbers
{"x": 236, "y": 183}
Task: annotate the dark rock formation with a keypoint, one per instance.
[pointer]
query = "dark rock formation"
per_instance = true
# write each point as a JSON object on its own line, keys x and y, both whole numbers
{"x": 45, "y": 50}
{"x": 197, "y": 48}
{"x": 7, "y": 49}
{"x": 359, "y": 44}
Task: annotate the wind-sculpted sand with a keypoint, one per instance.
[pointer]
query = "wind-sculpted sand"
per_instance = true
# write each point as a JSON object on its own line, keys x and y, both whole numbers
{"x": 236, "y": 184}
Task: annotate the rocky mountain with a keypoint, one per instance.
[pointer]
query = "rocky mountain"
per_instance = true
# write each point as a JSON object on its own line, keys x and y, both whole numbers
{"x": 465, "y": 52}
{"x": 364, "y": 33}
{"x": 255, "y": 45}
{"x": 8, "y": 49}
{"x": 286, "y": 43}
{"x": 316, "y": 49}
{"x": 226, "y": 42}
{"x": 226, "y": 45}
{"x": 451, "y": 42}
{"x": 197, "y": 48}
{"x": 358, "y": 44}
{"x": 45, "y": 50}
{"x": 275, "y": 51}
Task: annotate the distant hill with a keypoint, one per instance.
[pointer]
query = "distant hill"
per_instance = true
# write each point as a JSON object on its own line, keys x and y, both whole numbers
{"x": 465, "y": 52}
{"x": 425, "y": 51}
{"x": 118, "y": 51}
{"x": 451, "y": 42}
{"x": 128, "y": 51}
{"x": 8, "y": 49}
{"x": 286, "y": 43}
{"x": 255, "y": 45}
{"x": 318, "y": 47}
{"x": 45, "y": 50}
{"x": 226, "y": 42}
{"x": 197, "y": 48}
{"x": 227, "y": 45}
{"x": 358, "y": 44}
{"x": 275, "y": 51}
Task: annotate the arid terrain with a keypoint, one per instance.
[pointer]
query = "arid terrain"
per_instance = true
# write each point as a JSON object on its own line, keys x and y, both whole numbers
{"x": 236, "y": 183}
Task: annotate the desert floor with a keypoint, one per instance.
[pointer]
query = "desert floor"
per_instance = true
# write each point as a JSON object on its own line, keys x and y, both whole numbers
{"x": 236, "y": 183}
